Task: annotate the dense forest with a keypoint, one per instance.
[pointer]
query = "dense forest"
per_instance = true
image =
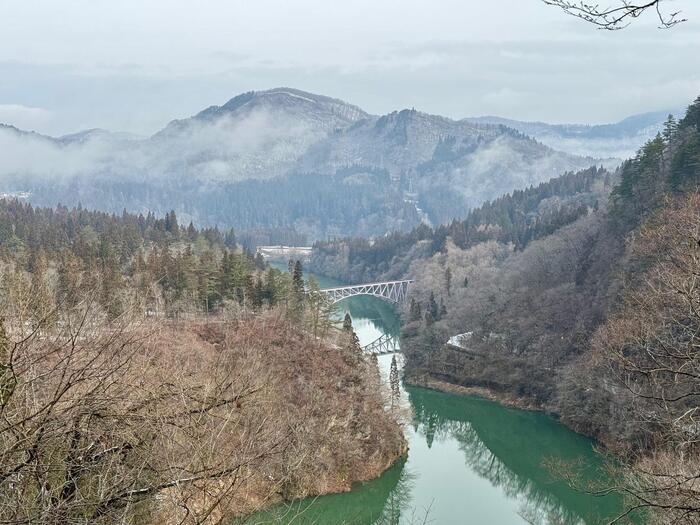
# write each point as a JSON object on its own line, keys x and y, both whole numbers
{"x": 359, "y": 200}
{"x": 578, "y": 297}
{"x": 156, "y": 373}
{"x": 595, "y": 321}
{"x": 284, "y": 158}
{"x": 517, "y": 218}
{"x": 168, "y": 267}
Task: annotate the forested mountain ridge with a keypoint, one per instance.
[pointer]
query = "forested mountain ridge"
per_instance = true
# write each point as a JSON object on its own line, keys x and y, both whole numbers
{"x": 285, "y": 158}
{"x": 516, "y": 218}
{"x": 450, "y": 166}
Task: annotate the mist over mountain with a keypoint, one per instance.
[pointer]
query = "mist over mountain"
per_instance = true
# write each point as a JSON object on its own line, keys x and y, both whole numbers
{"x": 620, "y": 139}
{"x": 284, "y": 157}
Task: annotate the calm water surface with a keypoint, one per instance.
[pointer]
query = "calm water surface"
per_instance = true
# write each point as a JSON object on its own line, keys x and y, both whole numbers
{"x": 471, "y": 461}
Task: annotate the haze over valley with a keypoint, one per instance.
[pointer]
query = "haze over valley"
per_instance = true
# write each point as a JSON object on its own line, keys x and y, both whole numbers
{"x": 286, "y": 158}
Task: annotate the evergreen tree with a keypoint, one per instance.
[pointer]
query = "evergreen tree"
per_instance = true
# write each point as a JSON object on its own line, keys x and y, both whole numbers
{"x": 670, "y": 128}
{"x": 347, "y": 322}
{"x": 230, "y": 239}
{"x": 259, "y": 261}
{"x": 207, "y": 282}
{"x": 171, "y": 225}
{"x": 298, "y": 281}
{"x": 433, "y": 308}
{"x": 414, "y": 310}
{"x": 443, "y": 309}
{"x": 355, "y": 348}
{"x": 448, "y": 280}
{"x": 270, "y": 289}
{"x": 691, "y": 119}
{"x": 394, "y": 383}
{"x": 191, "y": 232}
{"x": 297, "y": 293}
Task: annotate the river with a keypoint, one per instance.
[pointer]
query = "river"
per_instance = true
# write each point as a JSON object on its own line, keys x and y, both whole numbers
{"x": 471, "y": 461}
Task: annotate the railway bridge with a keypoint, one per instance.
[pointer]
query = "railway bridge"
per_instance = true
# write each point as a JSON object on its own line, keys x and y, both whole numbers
{"x": 386, "y": 344}
{"x": 393, "y": 291}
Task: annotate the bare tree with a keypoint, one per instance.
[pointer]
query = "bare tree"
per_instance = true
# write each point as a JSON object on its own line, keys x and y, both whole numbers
{"x": 101, "y": 423}
{"x": 139, "y": 420}
{"x": 619, "y": 16}
{"x": 652, "y": 349}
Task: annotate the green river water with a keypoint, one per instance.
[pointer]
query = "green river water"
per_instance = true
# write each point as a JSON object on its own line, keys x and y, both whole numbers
{"x": 471, "y": 461}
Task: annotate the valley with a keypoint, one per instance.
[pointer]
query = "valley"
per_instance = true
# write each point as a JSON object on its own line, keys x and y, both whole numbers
{"x": 466, "y": 457}
{"x": 535, "y": 278}
{"x": 447, "y": 272}
{"x": 572, "y": 295}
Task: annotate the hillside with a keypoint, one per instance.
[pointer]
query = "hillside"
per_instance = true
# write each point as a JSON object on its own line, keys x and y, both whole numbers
{"x": 152, "y": 373}
{"x": 285, "y": 158}
{"x": 592, "y": 317}
{"x": 517, "y": 219}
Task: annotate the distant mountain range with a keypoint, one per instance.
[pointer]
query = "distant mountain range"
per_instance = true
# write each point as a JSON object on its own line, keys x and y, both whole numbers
{"x": 284, "y": 157}
{"x": 621, "y": 139}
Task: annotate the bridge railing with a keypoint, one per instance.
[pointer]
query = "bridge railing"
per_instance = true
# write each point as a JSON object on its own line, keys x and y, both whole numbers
{"x": 381, "y": 283}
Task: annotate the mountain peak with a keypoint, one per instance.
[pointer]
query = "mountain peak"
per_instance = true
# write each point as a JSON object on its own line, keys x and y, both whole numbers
{"x": 288, "y": 99}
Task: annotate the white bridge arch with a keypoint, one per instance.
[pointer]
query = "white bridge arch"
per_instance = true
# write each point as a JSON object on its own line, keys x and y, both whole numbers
{"x": 394, "y": 291}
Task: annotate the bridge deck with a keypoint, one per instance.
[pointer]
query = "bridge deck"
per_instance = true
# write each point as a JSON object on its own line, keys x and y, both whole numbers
{"x": 365, "y": 285}
{"x": 395, "y": 291}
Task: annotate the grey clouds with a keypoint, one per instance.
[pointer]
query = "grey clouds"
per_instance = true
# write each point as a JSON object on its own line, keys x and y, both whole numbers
{"x": 134, "y": 66}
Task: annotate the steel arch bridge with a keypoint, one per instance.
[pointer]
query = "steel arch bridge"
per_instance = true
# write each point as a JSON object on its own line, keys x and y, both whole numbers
{"x": 386, "y": 344}
{"x": 393, "y": 291}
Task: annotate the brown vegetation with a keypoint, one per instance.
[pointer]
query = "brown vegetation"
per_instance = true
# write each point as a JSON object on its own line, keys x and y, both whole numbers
{"x": 165, "y": 423}
{"x": 651, "y": 347}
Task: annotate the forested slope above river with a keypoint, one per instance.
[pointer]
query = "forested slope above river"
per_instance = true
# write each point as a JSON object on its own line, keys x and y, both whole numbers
{"x": 590, "y": 312}
{"x": 516, "y": 218}
{"x": 151, "y": 373}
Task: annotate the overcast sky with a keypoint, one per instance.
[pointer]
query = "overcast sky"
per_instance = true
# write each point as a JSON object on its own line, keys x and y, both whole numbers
{"x": 133, "y": 65}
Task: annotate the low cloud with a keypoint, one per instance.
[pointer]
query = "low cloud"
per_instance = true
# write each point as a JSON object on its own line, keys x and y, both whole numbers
{"x": 257, "y": 144}
{"x": 25, "y": 117}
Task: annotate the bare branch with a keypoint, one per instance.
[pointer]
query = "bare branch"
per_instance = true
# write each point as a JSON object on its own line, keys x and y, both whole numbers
{"x": 619, "y": 17}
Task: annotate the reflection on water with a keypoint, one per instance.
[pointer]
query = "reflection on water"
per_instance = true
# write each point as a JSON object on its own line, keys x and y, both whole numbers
{"x": 471, "y": 461}
{"x": 381, "y": 501}
{"x": 507, "y": 448}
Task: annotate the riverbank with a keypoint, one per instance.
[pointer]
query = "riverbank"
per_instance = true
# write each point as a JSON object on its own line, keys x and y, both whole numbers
{"x": 508, "y": 400}
{"x": 504, "y": 399}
